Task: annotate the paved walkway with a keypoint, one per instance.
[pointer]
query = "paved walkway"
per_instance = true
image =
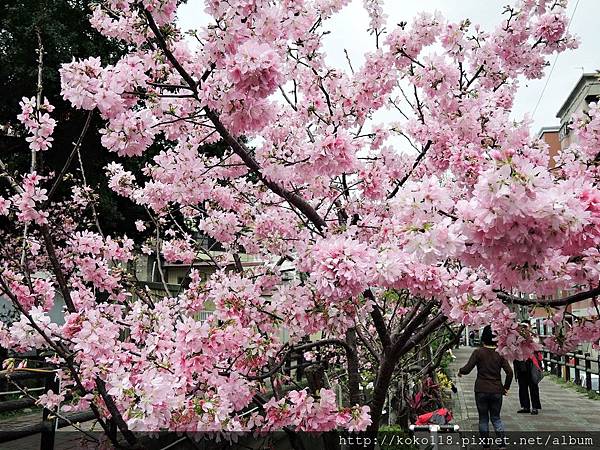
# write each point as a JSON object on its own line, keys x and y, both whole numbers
{"x": 67, "y": 438}
{"x": 563, "y": 409}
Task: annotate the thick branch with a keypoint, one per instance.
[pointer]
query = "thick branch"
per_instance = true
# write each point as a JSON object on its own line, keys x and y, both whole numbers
{"x": 379, "y": 322}
{"x": 244, "y": 153}
{"x": 114, "y": 412}
{"x": 353, "y": 368}
{"x": 239, "y": 148}
{"x": 400, "y": 339}
{"x": 57, "y": 269}
{"x": 564, "y": 301}
{"x": 418, "y": 337}
{"x": 368, "y": 345}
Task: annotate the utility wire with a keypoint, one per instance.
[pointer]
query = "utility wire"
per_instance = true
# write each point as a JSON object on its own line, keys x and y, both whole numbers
{"x": 554, "y": 64}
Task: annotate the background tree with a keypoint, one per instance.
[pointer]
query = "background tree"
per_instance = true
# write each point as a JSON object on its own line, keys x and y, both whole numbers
{"x": 65, "y": 33}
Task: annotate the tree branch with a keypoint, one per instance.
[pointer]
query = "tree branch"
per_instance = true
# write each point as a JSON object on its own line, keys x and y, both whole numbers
{"x": 410, "y": 172}
{"x": 302, "y": 347}
{"x": 239, "y": 148}
{"x": 352, "y": 366}
{"x": 564, "y": 301}
{"x": 60, "y": 176}
{"x": 57, "y": 269}
{"x": 379, "y": 322}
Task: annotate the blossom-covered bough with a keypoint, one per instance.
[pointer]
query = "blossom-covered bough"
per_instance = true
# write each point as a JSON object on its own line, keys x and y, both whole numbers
{"x": 385, "y": 246}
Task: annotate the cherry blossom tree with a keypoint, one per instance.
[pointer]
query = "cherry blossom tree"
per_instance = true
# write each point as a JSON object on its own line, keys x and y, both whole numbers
{"x": 385, "y": 202}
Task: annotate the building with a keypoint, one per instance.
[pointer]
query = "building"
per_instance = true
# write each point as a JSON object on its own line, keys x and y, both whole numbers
{"x": 550, "y": 135}
{"x": 586, "y": 91}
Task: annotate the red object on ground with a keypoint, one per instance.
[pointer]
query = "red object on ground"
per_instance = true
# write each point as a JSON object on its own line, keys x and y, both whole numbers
{"x": 440, "y": 416}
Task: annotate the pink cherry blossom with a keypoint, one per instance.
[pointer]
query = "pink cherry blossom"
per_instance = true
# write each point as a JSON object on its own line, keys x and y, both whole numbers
{"x": 319, "y": 208}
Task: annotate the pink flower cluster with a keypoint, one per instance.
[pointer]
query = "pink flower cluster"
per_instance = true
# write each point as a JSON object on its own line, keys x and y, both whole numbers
{"x": 29, "y": 201}
{"x": 38, "y": 123}
{"x": 130, "y": 133}
{"x": 51, "y": 400}
{"x": 340, "y": 267}
{"x": 96, "y": 259}
{"x": 40, "y": 294}
{"x": 120, "y": 180}
{"x": 178, "y": 250}
{"x": 4, "y": 206}
{"x": 375, "y": 10}
{"x": 22, "y": 336}
{"x": 254, "y": 69}
{"x": 335, "y": 154}
{"x": 221, "y": 225}
{"x": 304, "y": 412}
{"x": 587, "y": 130}
{"x": 568, "y": 337}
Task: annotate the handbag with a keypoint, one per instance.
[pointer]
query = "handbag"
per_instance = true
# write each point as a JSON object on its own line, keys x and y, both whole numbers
{"x": 536, "y": 374}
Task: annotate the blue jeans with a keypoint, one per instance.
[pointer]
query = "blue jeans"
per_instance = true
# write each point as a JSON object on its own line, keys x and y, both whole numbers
{"x": 488, "y": 407}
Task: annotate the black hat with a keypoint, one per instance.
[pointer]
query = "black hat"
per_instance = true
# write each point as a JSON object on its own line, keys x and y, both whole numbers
{"x": 487, "y": 336}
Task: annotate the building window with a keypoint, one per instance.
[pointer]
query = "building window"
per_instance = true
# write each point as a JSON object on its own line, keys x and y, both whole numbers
{"x": 564, "y": 131}
{"x": 592, "y": 99}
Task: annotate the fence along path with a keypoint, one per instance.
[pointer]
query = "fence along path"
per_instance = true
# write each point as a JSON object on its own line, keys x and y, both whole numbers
{"x": 563, "y": 408}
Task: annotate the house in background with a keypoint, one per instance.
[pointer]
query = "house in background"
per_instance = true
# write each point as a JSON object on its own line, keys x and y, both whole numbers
{"x": 176, "y": 275}
{"x": 586, "y": 91}
{"x": 550, "y": 135}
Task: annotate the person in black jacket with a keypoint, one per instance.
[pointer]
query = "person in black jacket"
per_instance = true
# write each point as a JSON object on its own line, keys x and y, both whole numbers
{"x": 529, "y": 391}
{"x": 488, "y": 385}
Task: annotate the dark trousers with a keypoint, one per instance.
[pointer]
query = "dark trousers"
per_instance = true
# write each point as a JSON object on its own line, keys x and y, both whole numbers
{"x": 527, "y": 388}
{"x": 488, "y": 407}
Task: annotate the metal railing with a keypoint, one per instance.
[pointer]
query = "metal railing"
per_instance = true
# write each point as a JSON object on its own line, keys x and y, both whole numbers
{"x": 49, "y": 423}
{"x": 579, "y": 368}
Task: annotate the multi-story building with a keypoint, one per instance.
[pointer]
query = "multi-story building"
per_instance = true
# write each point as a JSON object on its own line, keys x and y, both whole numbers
{"x": 550, "y": 135}
{"x": 586, "y": 91}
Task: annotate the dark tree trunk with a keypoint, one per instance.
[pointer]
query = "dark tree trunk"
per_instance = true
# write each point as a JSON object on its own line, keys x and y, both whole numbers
{"x": 352, "y": 367}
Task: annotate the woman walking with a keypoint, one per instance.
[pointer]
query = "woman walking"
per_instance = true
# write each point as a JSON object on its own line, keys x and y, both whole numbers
{"x": 488, "y": 385}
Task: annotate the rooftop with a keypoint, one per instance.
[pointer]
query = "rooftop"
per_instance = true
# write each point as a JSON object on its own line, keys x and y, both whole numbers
{"x": 544, "y": 130}
{"x": 585, "y": 79}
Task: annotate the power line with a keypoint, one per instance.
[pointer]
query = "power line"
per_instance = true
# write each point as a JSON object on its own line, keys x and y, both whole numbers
{"x": 553, "y": 64}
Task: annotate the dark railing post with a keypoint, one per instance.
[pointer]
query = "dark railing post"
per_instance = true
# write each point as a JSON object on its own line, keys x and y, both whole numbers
{"x": 3, "y": 382}
{"x": 598, "y": 371}
{"x": 577, "y": 374}
{"x": 49, "y": 425}
{"x": 567, "y": 358}
{"x": 287, "y": 367}
{"x": 299, "y": 362}
{"x": 588, "y": 372}
{"x": 558, "y": 366}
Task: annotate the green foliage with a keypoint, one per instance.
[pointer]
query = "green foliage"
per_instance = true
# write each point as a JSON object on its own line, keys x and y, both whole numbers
{"x": 65, "y": 32}
{"x": 593, "y": 395}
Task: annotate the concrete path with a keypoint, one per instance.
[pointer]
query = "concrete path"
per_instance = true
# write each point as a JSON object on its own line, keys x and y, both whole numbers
{"x": 67, "y": 438}
{"x": 563, "y": 409}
